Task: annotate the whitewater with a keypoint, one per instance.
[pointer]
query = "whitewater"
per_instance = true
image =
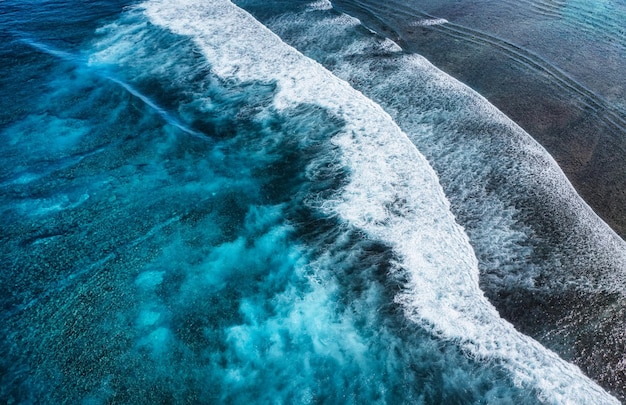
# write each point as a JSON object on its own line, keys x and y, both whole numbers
{"x": 230, "y": 213}
{"x": 547, "y": 262}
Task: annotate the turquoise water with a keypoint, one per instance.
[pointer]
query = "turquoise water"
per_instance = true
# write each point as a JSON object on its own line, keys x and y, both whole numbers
{"x": 195, "y": 211}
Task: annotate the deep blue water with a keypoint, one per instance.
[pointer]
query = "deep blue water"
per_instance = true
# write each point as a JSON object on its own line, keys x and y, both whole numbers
{"x": 267, "y": 202}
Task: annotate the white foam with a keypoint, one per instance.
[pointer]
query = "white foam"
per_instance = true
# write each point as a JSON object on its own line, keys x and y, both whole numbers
{"x": 474, "y": 146}
{"x": 427, "y": 22}
{"x": 506, "y": 148}
{"x": 320, "y": 5}
{"x": 169, "y": 118}
{"x": 393, "y": 194}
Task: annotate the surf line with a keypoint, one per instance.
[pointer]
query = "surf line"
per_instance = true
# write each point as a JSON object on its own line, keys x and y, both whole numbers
{"x": 385, "y": 164}
{"x": 77, "y": 60}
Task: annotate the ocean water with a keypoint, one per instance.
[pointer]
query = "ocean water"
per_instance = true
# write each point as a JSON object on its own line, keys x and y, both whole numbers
{"x": 555, "y": 67}
{"x": 268, "y": 202}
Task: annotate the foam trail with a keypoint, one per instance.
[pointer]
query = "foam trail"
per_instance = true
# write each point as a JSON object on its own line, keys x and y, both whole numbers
{"x": 393, "y": 195}
{"x": 69, "y": 57}
{"x": 170, "y": 119}
{"x": 427, "y": 22}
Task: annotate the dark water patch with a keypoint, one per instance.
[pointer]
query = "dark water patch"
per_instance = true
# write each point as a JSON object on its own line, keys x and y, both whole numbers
{"x": 583, "y": 328}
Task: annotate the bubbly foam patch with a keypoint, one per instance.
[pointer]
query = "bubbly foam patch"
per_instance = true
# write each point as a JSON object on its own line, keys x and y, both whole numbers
{"x": 320, "y": 5}
{"x": 427, "y": 22}
{"x": 393, "y": 195}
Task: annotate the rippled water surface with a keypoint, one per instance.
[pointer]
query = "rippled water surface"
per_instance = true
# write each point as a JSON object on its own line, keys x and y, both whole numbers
{"x": 555, "y": 67}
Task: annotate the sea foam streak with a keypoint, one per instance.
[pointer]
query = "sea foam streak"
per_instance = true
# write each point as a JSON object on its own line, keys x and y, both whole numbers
{"x": 393, "y": 195}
